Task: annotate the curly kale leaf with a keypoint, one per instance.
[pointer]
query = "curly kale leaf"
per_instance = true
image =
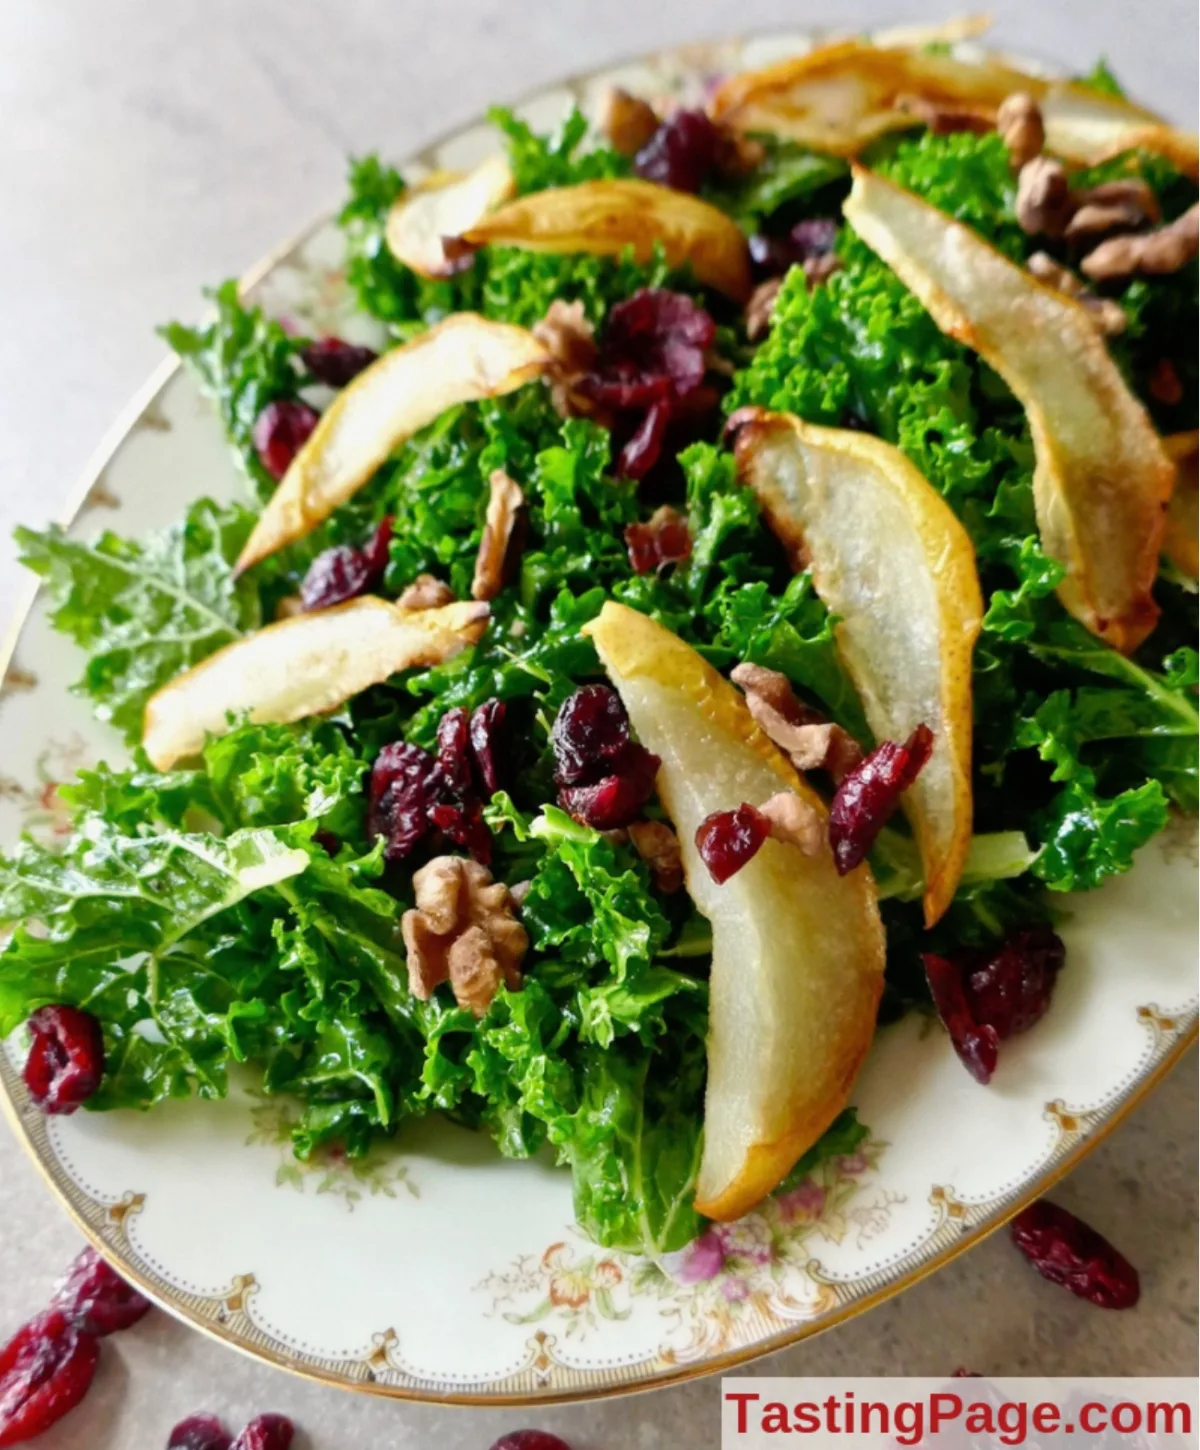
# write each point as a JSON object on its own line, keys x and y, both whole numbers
{"x": 145, "y": 611}
{"x": 243, "y": 360}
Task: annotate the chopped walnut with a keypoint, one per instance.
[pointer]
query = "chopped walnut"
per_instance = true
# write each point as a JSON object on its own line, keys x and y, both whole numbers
{"x": 1164, "y": 383}
{"x": 503, "y": 508}
{"x": 1043, "y": 197}
{"x": 289, "y": 606}
{"x": 794, "y": 821}
{"x": 1019, "y": 122}
{"x": 1108, "y": 315}
{"x": 811, "y": 742}
{"x": 760, "y": 307}
{"x": 462, "y": 931}
{"x": 658, "y": 845}
{"x": 627, "y": 121}
{"x": 570, "y": 339}
{"x": 1132, "y": 192}
{"x": 820, "y": 268}
{"x": 737, "y": 155}
{"x": 1154, "y": 254}
{"x": 426, "y": 592}
{"x": 943, "y": 118}
{"x": 1098, "y": 218}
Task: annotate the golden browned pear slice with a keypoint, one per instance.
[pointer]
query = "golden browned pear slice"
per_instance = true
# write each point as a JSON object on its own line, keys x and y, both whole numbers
{"x": 461, "y": 360}
{"x": 843, "y": 96}
{"x": 608, "y": 218}
{"x": 1102, "y": 479}
{"x": 443, "y": 206}
{"x": 888, "y": 557}
{"x": 1180, "y": 543}
{"x": 301, "y": 666}
{"x": 798, "y": 951}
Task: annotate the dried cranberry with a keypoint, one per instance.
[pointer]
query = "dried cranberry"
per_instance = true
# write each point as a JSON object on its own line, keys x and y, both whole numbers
{"x": 405, "y": 785}
{"x": 1063, "y": 1249}
{"x": 653, "y": 347}
{"x": 46, "y": 1368}
{"x": 453, "y": 746}
{"x": 487, "y": 720}
{"x": 266, "y": 1432}
{"x": 870, "y": 793}
{"x": 975, "y": 1042}
{"x": 66, "y": 1058}
{"x": 774, "y": 255}
{"x": 95, "y": 1296}
{"x": 334, "y": 362}
{"x": 614, "y": 800}
{"x": 463, "y": 824}
{"x": 280, "y": 431}
{"x": 663, "y": 539}
{"x": 1010, "y": 988}
{"x": 200, "y": 1432}
{"x": 530, "y": 1440}
{"x": 344, "y": 572}
{"x": 590, "y": 730}
{"x": 726, "y": 840}
{"x": 681, "y": 152}
{"x": 642, "y": 451}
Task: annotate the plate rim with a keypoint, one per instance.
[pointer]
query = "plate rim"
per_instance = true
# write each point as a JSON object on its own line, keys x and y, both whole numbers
{"x": 1056, "y": 1167}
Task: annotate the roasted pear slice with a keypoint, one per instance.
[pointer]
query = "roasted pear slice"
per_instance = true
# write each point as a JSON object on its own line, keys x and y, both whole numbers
{"x": 888, "y": 557}
{"x": 1180, "y": 543}
{"x": 798, "y": 951}
{"x": 443, "y": 206}
{"x": 304, "y": 665}
{"x": 1102, "y": 478}
{"x": 843, "y": 96}
{"x": 461, "y": 360}
{"x": 608, "y": 218}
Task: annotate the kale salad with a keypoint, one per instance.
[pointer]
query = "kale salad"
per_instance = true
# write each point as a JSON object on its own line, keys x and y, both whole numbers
{"x": 753, "y": 581}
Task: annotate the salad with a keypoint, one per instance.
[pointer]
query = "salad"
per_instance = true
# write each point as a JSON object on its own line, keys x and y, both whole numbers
{"x": 750, "y": 580}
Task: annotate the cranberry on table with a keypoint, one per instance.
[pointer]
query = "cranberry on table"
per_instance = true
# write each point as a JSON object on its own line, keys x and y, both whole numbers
{"x": 334, "y": 362}
{"x": 266, "y": 1432}
{"x": 280, "y": 431}
{"x": 530, "y": 1440}
{"x": 1065, "y": 1250}
{"x": 66, "y": 1058}
{"x": 726, "y": 840}
{"x": 45, "y": 1370}
{"x": 93, "y": 1295}
{"x": 200, "y": 1432}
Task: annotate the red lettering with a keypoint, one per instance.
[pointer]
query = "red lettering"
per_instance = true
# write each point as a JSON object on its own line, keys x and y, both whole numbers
{"x": 1128, "y": 1412}
{"x": 1046, "y": 1418}
{"x": 775, "y": 1418}
{"x": 742, "y": 1398}
{"x": 806, "y": 1416}
{"x": 1156, "y": 1409}
{"x": 1011, "y": 1417}
{"x": 1093, "y": 1417}
{"x": 943, "y": 1408}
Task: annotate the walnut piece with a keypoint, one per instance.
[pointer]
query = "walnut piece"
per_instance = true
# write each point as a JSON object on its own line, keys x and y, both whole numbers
{"x": 1099, "y": 218}
{"x": 626, "y": 120}
{"x": 503, "y": 508}
{"x": 463, "y": 931}
{"x": 1019, "y": 122}
{"x": 426, "y": 592}
{"x": 811, "y": 742}
{"x": 1109, "y": 316}
{"x": 794, "y": 821}
{"x": 1130, "y": 192}
{"x": 1043, "y": 197}
{"x": 1153, "y": 254}
{"x": 820, "y": 268}
{"x": 658, "y": 845}
{"x": 569, "y": 338}
{"x": 943, "y": 119}
{"x": 736, "y": 155}
{"x": 760, "y": 307}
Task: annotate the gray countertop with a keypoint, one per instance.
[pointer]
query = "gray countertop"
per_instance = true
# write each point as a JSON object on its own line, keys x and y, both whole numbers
{"x": 150, "y": 149}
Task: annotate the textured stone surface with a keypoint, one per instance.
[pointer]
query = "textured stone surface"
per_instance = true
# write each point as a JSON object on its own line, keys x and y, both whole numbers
{"x": 152, "y": 148}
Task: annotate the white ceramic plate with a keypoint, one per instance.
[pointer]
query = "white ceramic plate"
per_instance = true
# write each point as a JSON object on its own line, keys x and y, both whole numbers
{"x": 437, "y": 1269}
